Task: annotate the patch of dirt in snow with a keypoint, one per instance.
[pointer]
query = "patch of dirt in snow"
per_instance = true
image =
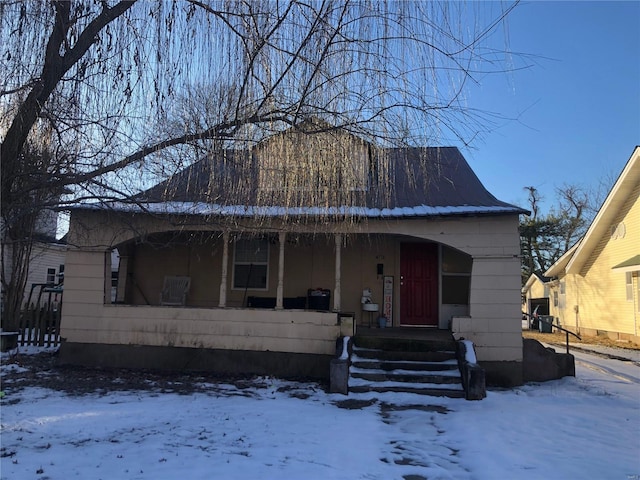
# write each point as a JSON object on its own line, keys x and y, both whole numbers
{"x": 42, "y": 370}
{"x": 355, "y": 404}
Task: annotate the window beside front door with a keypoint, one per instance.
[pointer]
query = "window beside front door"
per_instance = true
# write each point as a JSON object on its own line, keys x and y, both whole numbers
{"x": 456, "y": 276}
{"x": 629, "y": 283}
{"x": 251, "y": 264}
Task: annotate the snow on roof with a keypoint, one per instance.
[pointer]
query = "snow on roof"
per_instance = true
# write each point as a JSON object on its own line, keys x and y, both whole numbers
{"x": 205, "y": 209}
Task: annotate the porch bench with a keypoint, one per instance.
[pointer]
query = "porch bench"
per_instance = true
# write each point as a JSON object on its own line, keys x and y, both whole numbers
{"x": 288, "y": 303}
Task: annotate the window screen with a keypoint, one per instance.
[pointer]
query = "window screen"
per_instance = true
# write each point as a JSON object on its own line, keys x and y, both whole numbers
{"x": 251, "y": 262}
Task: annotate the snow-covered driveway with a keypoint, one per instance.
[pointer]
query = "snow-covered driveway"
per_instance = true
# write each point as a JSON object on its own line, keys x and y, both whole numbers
{"x": 583, "y": 427}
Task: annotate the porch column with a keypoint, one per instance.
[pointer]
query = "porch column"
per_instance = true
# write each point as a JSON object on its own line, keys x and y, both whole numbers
{"x": 337, "y": 286}
{"x": 225, "y": 265}
{"x": 280, "y": 291}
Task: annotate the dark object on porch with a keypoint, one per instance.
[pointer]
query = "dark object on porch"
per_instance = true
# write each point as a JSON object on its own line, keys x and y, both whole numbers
{"x": 319, "y": 299}
{"x": 289, "y": 303}
{"x": 540, "y": 364}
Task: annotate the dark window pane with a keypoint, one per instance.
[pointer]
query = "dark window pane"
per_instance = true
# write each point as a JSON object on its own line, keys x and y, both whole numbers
{"x": 454, "y": 261}
{"x": 250, "y": 276}
{"x": 455, "y": 289}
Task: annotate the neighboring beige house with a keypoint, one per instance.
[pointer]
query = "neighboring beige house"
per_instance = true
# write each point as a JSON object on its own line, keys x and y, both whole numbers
{"x": 596, "y": 286}
{"x": 303, "y": 239}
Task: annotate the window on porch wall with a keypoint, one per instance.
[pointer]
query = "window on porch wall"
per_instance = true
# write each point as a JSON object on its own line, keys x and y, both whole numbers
{"x": 456, "y": 277}
{"x": 251, "y": 264}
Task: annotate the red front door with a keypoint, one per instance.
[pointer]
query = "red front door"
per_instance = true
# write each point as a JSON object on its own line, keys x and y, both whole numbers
{"x": 419, "y": 284}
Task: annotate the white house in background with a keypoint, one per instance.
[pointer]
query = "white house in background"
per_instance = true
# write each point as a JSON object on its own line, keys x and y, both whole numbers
{"x": 46, "y": 264}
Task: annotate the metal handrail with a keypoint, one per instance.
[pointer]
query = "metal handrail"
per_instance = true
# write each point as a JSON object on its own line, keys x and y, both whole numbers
{"x": 567, "y": 332}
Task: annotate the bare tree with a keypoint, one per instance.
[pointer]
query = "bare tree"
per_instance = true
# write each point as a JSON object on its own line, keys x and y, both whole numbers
{"x": 545, "y": 237}
{"x": 127, "y": 88}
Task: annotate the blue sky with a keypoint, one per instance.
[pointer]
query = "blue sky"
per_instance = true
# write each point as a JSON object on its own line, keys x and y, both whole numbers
{"x": 576, "y": 111}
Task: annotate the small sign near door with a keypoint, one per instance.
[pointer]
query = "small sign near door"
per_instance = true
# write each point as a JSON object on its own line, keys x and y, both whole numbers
{"x": 387, "y": 299}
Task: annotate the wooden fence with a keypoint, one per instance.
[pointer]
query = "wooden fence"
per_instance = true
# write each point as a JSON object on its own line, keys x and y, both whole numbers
{"x": 40, "y": 325}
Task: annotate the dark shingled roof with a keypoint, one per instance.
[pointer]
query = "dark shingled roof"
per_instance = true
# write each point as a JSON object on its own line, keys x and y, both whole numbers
{"x": 437, "y": 177}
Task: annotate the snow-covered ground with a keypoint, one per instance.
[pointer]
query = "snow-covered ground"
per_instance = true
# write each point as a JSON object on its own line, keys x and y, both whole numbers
{"x": 574, "y": 428}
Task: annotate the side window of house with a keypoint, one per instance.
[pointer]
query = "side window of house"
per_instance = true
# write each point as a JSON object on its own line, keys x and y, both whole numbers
{"x": 629, "y": 282}
{"x": 562, "y": 299}
{"x": 51, "y": 275}
{"x": 555, "y": 298}
{"x": 456, "y": 277}
{"x": 251, "y": 264}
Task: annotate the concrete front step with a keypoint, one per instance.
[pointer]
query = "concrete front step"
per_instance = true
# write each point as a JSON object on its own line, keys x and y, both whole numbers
{"x": 380, "y": 342}
{"x": 433, "y": 392}
{"x": 389, "y": 366}
{"x": 423, "y": 372}
{"x": 399, "y": 356}
{"x": 404, "y": 378}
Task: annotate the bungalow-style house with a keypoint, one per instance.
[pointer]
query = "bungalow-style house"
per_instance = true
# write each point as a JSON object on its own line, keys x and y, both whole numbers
{"x": 596, "y": 284}
{"x": 256, "y": 259}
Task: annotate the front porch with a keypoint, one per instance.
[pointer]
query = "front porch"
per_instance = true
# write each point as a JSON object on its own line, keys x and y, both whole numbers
{"x": 412, "y": 281}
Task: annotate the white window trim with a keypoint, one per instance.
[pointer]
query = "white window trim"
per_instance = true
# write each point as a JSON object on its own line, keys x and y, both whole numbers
{"x": 233, "y": 268}
{"x": 629, "y": 286}
{"x": 638, "y": 290}
{"x": 53, "y": 275}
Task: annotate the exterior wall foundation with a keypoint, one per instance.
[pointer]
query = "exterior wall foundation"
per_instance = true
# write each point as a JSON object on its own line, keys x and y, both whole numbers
{"x": 222, "y": 362}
